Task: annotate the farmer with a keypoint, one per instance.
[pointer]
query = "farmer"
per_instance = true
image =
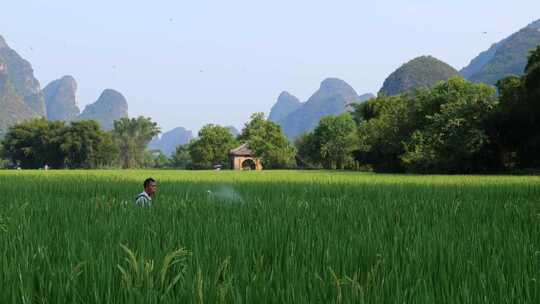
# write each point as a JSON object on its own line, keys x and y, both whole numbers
{"x": 145, "y": 198}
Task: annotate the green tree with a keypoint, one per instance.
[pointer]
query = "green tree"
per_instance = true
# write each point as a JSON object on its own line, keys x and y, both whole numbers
{"x": 132, "y": 136}
{"x": 156, "y": 159}
{"x": 307, "y": 155}
{"x": 181, "y": 158}
{"x": 4, "y": 163}
{"x": 517, "y": 121}
{"x": 453, "y": 137}
{"x": 383, "y": 124}
{"x": 35, "y": 143}
{"x": 211, "y": 147}
{"x": 335, "y": 139}
{"x": 85, "y": 145}
{"x": 267, "y": 141}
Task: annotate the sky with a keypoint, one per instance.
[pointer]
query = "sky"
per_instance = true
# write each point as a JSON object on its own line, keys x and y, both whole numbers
{"x": 189, "y": 63}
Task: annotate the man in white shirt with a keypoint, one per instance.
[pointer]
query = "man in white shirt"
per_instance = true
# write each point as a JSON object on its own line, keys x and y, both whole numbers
{"x": 145, "y": 198}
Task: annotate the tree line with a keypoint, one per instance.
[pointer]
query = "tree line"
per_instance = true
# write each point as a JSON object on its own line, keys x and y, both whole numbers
{"x": 77, "y": 145}
{"x": 84, "y": 145}
{"x": 455, "y": 127}
{"x": 213, "y": 144}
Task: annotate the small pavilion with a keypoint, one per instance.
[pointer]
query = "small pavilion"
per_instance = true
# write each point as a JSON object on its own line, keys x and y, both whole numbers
{"x": 242, "y": 158}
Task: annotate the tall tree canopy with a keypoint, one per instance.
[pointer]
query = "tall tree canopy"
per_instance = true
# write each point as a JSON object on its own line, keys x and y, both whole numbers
{"x": 35, "y": 143}
{"x": 85, "y": 145}
{"x": 212, "y": 147}
{"x": 443, "y": 129}
{"x": 334, "y": 139}
{"x": 38, "y": 142}
{"x": 132, "y": 136}
{"x": 453, "y": 138}
{"x": 518, "y": 117}
{"x": 267, "y": 141}
{"x": 383, "y": 124}
{"x": 181, "y": 158}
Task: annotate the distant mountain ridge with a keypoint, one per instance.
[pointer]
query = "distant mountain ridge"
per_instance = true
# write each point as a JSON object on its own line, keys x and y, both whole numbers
{"x": 21, "y": 97}
{"x": 285, "y": 105}
{"x": 110, "y": 106}
{"x": 61, "y": 99}
{"x": 168, "y": 141}
{"x": 20, "y": 74}
{"x": 424, "y": 71}
{"x": 505, "y": 58}
{"x": 13, "y": 109}
{"x": 332, "y": 98}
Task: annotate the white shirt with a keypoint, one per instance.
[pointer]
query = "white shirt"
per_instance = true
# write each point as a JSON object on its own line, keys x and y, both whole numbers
{"x": 143, "y": 199}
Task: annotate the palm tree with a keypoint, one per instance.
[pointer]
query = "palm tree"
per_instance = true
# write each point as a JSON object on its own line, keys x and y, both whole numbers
{"x": 132, "y": 136}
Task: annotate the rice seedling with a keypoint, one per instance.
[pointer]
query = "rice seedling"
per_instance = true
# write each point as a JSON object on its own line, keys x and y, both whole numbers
{"x": 268, "y": 237}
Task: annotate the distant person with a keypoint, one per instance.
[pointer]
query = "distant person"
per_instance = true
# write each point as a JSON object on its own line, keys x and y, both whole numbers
{"x": 145, "y": 198}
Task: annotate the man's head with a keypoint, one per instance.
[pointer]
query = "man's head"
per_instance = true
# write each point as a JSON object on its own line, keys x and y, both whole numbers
{"x": 150, "y": 186}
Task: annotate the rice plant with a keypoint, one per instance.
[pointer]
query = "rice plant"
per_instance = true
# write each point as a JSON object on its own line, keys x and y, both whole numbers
{"x": 268, "y": 237}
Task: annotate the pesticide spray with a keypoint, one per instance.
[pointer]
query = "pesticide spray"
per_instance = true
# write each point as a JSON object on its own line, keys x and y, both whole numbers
{"x": 225, "y": 193}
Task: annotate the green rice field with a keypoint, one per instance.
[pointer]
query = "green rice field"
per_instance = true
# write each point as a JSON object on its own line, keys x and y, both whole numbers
{"x": 268, "y": 237}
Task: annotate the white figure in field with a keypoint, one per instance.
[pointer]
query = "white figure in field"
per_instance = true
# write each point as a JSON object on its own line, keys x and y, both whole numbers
{"x": 145, "y": 198}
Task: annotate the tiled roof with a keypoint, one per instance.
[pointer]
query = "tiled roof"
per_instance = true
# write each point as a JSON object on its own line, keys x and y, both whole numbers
{"x": 243, "y": 150}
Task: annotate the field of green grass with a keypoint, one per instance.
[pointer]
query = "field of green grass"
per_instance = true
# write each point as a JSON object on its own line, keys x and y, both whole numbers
{"x": 268, "y": 237}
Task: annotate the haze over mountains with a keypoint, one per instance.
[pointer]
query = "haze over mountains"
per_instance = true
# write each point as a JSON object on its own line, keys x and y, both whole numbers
{"x": 507, "y": 57}
{"x": 110, "y": 106}
{"x": 22, "y": 98}
{"x": 332, "y": 98}
{"x": 61, "y": 99}
{"x": 20, "y": 93}
{"x": 168, "y": 141}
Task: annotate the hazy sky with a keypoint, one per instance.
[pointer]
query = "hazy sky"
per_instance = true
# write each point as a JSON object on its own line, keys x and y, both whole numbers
{"x": 188, "y": 63}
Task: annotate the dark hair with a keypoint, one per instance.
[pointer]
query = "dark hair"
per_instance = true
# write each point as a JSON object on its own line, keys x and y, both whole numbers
{"x": 148, "y": 181}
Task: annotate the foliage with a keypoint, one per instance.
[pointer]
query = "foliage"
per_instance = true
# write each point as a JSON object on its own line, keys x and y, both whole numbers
{"x": 518, "y": 118}
{"x": 35, "y": 143}
{"x": 307, "y": 155}
{"x": 267, "y": 141}
{"x": 82, "y": 144}
{"x": 156, "y": 159}
{"x": 453, "y": 138}
{"x": 141, "y": 278}
{"x": 383, "y": 124}
{"x": 442, "y": 129}
{"x": 332, "y": 142}
{"x": 4, "y": 163}
{"x": 181, "y": 158}
{"x": 285, "y": 237}
{"x": 211, "y": 147}
{"x": 132, "y": 136}
{"x": 85, "y": 145}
